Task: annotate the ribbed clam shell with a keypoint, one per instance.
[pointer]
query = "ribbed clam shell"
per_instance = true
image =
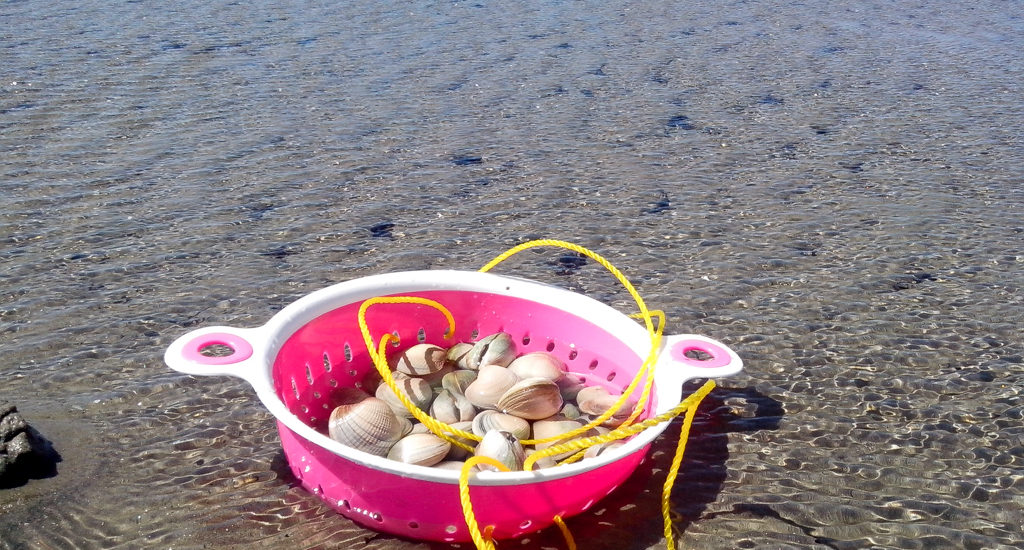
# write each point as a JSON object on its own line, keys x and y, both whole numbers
{"x": 486, "y": 421}
{"x": 419, "y": 360}
{"x": 493, "y": 349}
{"x": 421, "y": 449}
{"x": 538, "y": 364}
{"x": 450, "y": 408}
{"x": 490, "y": 384}
{"x": 458, "y": 380}
{"x": 503, "y": 447}
{"x": 532, "y": 399}
{"x": 368, "y": 425}
{"x": 416, "y": 389}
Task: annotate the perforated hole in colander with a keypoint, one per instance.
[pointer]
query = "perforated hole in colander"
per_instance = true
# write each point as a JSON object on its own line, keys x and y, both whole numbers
{"x": 327, "y": 363}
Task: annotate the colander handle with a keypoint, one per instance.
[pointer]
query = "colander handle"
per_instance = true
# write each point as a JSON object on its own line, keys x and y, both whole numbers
{"x": 238, "y": 355}
{"x": 687, "y": 356}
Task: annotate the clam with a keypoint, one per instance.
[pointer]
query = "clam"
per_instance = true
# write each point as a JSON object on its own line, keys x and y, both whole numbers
{"x": 419, "y": 360}
{"x": 570, "y": 411}
{"x": 601, "y": 448}
{"x": 458, "y": 380}
{"x": 450, "y": 465}
{"x": 532, "y": 399}
{"x": 490, "y": 384}
{"x": 494, "y": 420}
{"x": 595, "y": 400}
{"x": 434, "y": 379}
{"x": 542, "y": 462}
{"x": 544, "y": 429}
{"x": 458, "y": 354}
{"x": 538, "y": 364}
{"x": 365, "y": 423}
{"x": 451, "y": 407}
{"x": 456, "y": 452}
{"x": 570, "y": 385}
{"x": 416, "y": 389}
{"x": 421, "y": 449}
{"x": 503, "y": 447}
{"x": 494, "y": 349}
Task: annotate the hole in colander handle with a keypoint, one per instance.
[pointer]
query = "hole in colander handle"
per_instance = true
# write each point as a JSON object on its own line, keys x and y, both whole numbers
{"x": 687, "y": 356}
{"x": 215, "y": 351}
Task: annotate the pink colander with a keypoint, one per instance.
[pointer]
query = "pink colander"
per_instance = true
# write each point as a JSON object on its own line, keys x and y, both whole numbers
{"x": 306, "y": 352}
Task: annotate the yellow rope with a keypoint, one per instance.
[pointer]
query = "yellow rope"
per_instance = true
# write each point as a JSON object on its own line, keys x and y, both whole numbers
{"x": 571, "y": 542}
{"x": 379, "y": 356}
{"x": 645, "y": 314}
{"x": 483, "y": 541}
{"x": 673, "y": 471}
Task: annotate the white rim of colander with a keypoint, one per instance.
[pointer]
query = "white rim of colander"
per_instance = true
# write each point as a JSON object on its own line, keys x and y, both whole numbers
{"x": 270, "y": 337}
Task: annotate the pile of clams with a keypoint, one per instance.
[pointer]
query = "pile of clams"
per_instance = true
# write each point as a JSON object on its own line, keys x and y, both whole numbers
{"x": 485, "y": 388}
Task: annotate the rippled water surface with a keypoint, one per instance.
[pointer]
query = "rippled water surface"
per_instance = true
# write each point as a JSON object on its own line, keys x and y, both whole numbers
{"x": 831, "y": 188}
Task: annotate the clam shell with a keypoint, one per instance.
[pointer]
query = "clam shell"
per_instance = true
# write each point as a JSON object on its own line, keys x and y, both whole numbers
{"x": 543, "y": 429}
{"x": 368, "y": 424}
{"x": 458, "y": 354}
{"x": 570, "y": 385}
{"x": 503, "y": 447}
{"x": 456, "y": 452}
{"x": 538, "y": 364}
{"x": 601, "y": 448}
{"x": 494, "y": 349}
{"x": 542, "y": 462}
{"x": 494, "y": 420}
{"x": 532, "y": 399}
{"x": 450, "y": 464}
{"x": 595, "y": 400}
{"x": 458, "y": 380}
{"x": 421, "y": 449}
{"x": 419, "y": 360}
{"x": 451, "y": 407}
{"x": 490, "y": 384}
{"x": 416, "y": 389}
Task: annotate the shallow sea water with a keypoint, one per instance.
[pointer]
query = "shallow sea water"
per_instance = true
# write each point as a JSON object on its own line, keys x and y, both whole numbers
{"x": 832, "y": 189}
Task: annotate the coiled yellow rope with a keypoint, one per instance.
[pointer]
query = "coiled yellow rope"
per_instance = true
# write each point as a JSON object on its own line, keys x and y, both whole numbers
{"x": 628, "y": 428}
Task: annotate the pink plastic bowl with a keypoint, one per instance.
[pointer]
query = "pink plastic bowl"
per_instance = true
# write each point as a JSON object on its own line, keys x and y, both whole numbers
{"x": 298, "y": 360}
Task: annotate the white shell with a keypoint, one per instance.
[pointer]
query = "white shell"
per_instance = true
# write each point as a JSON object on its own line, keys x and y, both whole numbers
{"x": 595, "y": 400}
{"x": 494, "y": 349}
{"x": 365, "y": 423}
{"x": 421, "y": 449}
{"x": 503, "y": 447}
{"x": 458, "y": 380}
{"x": 451, "y": 408}
{"x": 416, "y": 389}
{"x": 494, "y": 420}
{"x": 456, "y": 452}
{"x": 490, "y": 384}
{"x": 419, "y": 360}
{"x": 538, "y": 364}
{"x": 532, "y": 399}
{"x": 543, "y": 429}
{"x": 458, "y": 354}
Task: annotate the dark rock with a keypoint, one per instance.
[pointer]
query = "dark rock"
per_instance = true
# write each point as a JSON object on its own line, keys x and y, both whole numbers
{"x": 24, "y": 453}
